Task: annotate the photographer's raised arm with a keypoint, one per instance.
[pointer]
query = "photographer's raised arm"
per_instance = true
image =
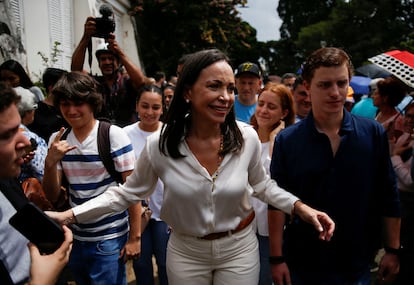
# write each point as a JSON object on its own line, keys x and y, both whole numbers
{"x": 135, "y": 73}
{"x": 78, "y": 56}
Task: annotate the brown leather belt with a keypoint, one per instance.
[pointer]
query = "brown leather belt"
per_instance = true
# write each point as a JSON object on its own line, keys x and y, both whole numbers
{"x": 243, "y": 224}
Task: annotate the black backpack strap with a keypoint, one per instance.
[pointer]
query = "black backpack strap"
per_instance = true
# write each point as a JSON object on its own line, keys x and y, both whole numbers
{"x": 104, "y": 149}
{"x": 64, "y": 136}
{"x": 65, "y": 133}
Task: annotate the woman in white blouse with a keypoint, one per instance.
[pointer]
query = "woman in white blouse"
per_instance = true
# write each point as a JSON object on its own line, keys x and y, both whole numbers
{"x": 209, "y": 165}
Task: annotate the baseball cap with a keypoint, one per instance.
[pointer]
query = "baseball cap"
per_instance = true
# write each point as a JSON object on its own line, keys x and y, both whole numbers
{"x": 27, "y": 100}
{"x": 248, "y": 67}
{"x": 103, "y": 48}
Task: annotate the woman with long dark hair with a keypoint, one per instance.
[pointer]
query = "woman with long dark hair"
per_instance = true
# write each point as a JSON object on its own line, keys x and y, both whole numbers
{"x": 13, "y": 72}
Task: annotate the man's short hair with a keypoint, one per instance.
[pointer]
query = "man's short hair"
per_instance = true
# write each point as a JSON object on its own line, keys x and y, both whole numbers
{"x": 288, "y": 76}
{"x": 77, "y": 87}
{"x": 51, "y": 75}
{"x": 298, "y": 81}
{"x": 7, "y": 96}
{"x": 326, "y": 57}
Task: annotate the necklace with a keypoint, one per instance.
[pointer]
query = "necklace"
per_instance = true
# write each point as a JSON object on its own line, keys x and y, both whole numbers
{"x": 219, "y": 160}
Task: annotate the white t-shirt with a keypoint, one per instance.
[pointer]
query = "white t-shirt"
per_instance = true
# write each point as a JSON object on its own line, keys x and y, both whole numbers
{"x": 260, "y": 223}
{"x": 138, "y": 138}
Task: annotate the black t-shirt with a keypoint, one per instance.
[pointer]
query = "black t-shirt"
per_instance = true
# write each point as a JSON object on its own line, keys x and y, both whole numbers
{"x": 119, "y": 101}
{"x": 47, "y": 120}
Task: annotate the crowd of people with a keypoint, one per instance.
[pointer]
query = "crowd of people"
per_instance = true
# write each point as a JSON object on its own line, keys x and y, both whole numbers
{"x": 250, "y": 181}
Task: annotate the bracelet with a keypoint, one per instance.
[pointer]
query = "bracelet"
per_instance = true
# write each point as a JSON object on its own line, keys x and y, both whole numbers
{"x": 276, "y": 259}
{"x": 396, "y": 251}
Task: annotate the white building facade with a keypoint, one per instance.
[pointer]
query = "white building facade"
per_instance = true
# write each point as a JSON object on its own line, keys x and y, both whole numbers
{"x": 30, "y": 27}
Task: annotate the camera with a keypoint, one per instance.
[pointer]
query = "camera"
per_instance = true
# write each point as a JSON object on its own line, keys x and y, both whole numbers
{"x": 105, "y": 24}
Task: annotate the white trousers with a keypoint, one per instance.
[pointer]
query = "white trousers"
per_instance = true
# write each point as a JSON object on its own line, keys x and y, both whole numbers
{"x": 226, "y": 261}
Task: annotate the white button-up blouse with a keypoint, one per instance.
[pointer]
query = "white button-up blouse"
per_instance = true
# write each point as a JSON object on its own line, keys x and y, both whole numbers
{"x": 194, "y": 203}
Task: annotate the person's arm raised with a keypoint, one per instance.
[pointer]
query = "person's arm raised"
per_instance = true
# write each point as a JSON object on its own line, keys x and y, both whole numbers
{"x": 78, "y": 56}
{"x": 134, "y": 72}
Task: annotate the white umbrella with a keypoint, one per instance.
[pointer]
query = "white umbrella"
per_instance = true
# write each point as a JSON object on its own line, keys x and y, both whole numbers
{"x": 398, "y": 63}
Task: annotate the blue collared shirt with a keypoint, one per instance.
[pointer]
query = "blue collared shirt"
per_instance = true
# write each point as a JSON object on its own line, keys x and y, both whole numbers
{"x": 356, "y": 187}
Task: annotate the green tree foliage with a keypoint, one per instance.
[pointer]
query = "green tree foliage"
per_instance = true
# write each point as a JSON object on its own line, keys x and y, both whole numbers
{"x": 364, "y": 28}
{"x": 169, "y": 29}
{"x": 301, "y": 13}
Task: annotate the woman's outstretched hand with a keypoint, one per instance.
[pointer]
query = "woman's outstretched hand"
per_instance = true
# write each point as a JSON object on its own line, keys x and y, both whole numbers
{"x": 320, "y": 220}
{"x": 63, "y": 218}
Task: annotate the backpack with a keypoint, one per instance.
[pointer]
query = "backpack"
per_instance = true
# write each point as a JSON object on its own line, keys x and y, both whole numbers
{"x": 104, "y": 149}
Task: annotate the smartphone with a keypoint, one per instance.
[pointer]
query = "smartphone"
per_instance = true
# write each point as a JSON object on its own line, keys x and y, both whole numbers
{"x": 38, "y": 227}
{"x": 32, "y": 146}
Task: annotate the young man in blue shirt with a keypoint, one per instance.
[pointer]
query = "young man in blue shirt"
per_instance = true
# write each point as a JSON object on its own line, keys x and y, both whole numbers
{"x": 338, "y": 163}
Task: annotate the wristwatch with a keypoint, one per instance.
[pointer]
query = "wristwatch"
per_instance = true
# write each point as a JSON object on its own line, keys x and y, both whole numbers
{"x": 396, "y": 251}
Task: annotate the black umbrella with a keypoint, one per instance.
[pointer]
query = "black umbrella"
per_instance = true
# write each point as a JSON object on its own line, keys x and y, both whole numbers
{"x": 372, "y": 71}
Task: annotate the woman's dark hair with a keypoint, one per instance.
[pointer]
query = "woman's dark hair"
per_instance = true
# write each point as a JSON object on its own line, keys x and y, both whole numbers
{"x": 326, "y": 57}
{"x": 154, "y": 89}
{"x": 178, "y": 119}
{"x": 51, "y": 75}
{"x": 392, "y": 88}
{"x": 149, "y": 88}
{"x": 17, "y": 68}
{"x": 169, "y": 86}
{"x": 77, "y": 87}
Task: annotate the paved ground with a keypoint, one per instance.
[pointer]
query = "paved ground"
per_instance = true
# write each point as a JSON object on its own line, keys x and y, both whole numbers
{"x": 66, "y": 277}
{"x": 131, "y": 275}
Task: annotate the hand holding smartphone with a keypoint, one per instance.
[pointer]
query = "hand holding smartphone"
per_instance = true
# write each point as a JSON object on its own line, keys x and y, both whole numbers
{"x": 37, "y": 227}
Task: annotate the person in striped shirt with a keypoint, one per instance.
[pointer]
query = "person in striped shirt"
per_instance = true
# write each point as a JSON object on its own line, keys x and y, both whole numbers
{"x": 101, "y": 245}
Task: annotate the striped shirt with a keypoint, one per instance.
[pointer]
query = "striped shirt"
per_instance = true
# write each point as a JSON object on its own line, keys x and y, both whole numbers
{"x": 88, "y": 178}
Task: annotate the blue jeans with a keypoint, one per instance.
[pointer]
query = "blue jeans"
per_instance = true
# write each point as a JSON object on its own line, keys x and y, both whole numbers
{"x": 98, "y": 263}
{"x": 154, "y": 241}
{"x": 326, "y": 278}
{"x": 265, "y": 273}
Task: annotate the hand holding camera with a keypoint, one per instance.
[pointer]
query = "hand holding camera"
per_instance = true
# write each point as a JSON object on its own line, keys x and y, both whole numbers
{"x": 100, "y": 27}
{"x": 104, "y": 25}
